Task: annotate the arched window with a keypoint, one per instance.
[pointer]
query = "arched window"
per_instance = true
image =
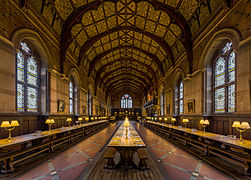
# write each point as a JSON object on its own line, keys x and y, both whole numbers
{"x": 27, "y": 79}
{"x": 181, "y": 97}
{"x": 126, "y": 101}
{"x": 71, "y": 97}
{"x": 162, "y": 103}
{"x": 89, "y": 102}
{"x": 224, "y": 80}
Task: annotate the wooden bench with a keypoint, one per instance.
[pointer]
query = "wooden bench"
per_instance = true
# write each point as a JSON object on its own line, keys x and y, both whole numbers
{"x": 109, "y": 155}
{"x": 142, "y": 154}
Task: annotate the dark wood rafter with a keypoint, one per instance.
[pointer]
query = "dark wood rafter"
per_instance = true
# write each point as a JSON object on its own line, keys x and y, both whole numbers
{"x": 149, "y": 69}
{"x": 94, "y": 39}
{"x": 126, "y": 75}
{"x": 109, "y": 76}
{"x": 150, "y": 55}
{"x": 76, "y": 16}
{"x": 123, "y": 80}
{"x": 125, "y": 90}
{"x": 125, "y": 85}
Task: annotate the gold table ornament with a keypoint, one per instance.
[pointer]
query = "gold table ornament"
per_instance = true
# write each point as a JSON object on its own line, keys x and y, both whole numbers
{"x": 185, "y": 121}
{"x": 204, "y": 124}
{"x": 9, "y": 127}
{"x": 49, "y": 122}
{"x": 69, "y": 120}
{"x": 241, "y": 127}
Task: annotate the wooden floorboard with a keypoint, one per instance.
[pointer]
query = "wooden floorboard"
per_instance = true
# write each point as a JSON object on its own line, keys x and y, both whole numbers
{"x": 99, "y": 172}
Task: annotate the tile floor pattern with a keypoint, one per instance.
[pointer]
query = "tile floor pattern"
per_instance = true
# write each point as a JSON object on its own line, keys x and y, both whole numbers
{"x": 69, "y": 164}
{"x": 178, "y": 164}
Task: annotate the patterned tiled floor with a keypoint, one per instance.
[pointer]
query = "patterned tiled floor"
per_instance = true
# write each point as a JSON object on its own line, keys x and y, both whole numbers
{"x": 177, "y": 163}
{"x": 69, "y": 164}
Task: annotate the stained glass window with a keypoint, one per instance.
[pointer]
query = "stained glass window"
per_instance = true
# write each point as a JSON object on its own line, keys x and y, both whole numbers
{"x": 224, "y": 80}
{"x": 27, "y": 80}
{"x": 126, "y": 101}
{"x": 162, "y": 103}
{"x": 180, "y": 99}
{"x": 71, "y": 95}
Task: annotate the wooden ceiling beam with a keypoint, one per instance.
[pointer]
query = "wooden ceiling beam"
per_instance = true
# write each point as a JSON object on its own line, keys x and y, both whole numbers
{"x": 101, "y": 55}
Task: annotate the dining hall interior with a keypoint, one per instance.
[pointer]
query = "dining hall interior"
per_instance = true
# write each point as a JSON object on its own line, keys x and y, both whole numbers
{"x": 125, "y": 89}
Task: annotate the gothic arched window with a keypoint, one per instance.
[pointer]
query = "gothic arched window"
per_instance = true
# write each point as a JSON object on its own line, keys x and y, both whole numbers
{"x": 224, "y": 80}
{"x": 162, "y": 103}
{"x": 180, "y": 97}
{"x": 126, "y": 101}
{"x": 71, "y": 97}
{"x": 27, "y": 79}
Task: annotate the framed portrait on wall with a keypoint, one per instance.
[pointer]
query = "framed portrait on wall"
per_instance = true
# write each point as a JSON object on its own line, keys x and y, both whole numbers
{"x": 61, "y": 106}
{"x": 191, "y": 106}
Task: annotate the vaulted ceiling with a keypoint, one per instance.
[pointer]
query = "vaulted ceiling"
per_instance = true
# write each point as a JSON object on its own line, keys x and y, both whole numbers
{"x": 124, "y": 44}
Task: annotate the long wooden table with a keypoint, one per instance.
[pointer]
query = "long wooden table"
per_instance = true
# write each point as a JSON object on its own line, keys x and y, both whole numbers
{"x": 126, "y": 140}
{"x": 26, "y": 146}
{"x": 231, "y": 150}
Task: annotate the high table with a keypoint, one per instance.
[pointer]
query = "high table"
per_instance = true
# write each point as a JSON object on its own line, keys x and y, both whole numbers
{"x": 232, "y": 150}
{"x": 26, "y": 146}
{"x": 126, "y": 141}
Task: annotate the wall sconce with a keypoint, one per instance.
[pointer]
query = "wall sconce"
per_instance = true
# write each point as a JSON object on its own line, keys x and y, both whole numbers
{"x": 69, "y": 120}
{"x": 80, "y": 120}
{"x": 185, "y": 121}
{"x": 9, "y": 127}
{"x": 49, "y": 122}
{"x": 165, "y": 120}
{"x": 173, "y": 120}
{"x": 204, "y": 124}
{"x": 86, "y": 119}
{"x": 241, "y": 127}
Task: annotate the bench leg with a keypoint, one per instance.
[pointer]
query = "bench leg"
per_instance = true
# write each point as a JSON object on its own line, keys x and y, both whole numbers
{"x": 142, "y": 164}
{"x": 110, "y": 164}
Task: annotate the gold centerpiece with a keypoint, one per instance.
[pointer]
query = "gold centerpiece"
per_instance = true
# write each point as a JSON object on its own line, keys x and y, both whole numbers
{"x": 204, "y": 124}
{"x": 9, "y": 127}
{"x": 49, "y": 122}
{"x": 241, "y": 127}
